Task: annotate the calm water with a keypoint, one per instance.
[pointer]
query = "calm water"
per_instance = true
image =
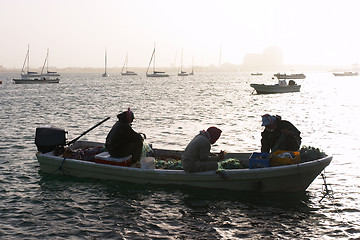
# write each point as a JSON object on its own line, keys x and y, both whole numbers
{"x": 170, "y": 112}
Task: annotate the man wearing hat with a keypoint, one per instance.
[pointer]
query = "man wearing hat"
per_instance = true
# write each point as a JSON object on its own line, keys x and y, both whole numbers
{"x": 279, "y": 135}
{"x": 196, "y": 155}
{"x": 122, "y": 140}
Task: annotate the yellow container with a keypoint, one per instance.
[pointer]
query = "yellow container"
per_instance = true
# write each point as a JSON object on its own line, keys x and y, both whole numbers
{"x": 276, "y": 160}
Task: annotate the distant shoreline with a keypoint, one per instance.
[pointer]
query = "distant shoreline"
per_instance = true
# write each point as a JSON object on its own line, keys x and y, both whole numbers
{"x": 226, "y": 67}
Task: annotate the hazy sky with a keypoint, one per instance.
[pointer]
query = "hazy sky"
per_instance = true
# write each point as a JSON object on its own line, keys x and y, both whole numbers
{"x": 78, "y": 31}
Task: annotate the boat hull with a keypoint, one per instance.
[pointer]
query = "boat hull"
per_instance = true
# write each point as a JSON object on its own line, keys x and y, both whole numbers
{"x": 35, "y": 81}
{"x": 128, "y": 73}
{"x": 290, "y": 76}
{"x": 269, "y": 89}
{"x": 346, "y": 74}
{"x": 290, "y": 178}
{"x": 157, "y": 75}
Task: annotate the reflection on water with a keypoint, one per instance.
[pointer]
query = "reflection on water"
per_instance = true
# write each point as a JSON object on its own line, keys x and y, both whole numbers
{"x": 170, "y": 111}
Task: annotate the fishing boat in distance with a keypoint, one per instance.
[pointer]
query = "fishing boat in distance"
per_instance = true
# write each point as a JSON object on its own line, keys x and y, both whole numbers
{"x": 28, "y": 77}
{"x": 256, "y": 74}
{"x": 154, "y": 73}
{"x": 345, "y": 74}
{"x": 290, "y": 76}
{"x": 105, "y": 74}
{"x": 125, "y": 66}
{"x": 281, "y": 87}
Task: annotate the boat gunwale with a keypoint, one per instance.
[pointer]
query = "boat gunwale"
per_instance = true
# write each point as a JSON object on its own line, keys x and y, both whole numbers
{"x": 269, "y": 170}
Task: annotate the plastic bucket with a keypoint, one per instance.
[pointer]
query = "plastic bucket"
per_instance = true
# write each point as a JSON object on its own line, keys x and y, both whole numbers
{"x": 147, "y": 163}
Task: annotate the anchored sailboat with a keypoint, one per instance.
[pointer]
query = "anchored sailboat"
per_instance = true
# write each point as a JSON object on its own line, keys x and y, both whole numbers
{"x": 28, "y": 77}
{"x": 127, "y": 73}
{"x": 192, "y": 67}
{"x": 47, "y": 74}
{"x": 155, "y": 73}
{"x": 105, "y": 74}
{"x": 182, "y": 73}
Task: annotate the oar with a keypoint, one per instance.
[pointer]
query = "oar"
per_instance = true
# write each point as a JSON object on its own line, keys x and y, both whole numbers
{"x": 74, "y": 140}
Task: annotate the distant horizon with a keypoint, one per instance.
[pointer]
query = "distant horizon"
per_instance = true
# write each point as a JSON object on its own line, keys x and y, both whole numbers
{"x": 226, "y": 67}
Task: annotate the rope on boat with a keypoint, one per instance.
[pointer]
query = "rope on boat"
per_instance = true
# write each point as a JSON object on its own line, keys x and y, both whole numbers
{"x": 60, "y": 169}
{"x": 326, "y": 189}
{"x": 328, "y": 192}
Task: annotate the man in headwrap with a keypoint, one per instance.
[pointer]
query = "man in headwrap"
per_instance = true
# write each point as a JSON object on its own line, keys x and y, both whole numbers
{"x": 279, "y": 135}
{"x": 122, "y": 140}
{"x": 196, "y": 155}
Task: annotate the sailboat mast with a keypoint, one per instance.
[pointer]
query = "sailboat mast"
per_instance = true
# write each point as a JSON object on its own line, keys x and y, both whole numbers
{"x": 182, "y": 53}
{"x": 45, "y": 62}
{"x": 220, "y": 59}
{"x": 105, "y": 60}
{"x": 126, "y": 62}
{"x": 153, "y": 53}
{"x": 26, "y": 58}
{"x": 154, "y": 59}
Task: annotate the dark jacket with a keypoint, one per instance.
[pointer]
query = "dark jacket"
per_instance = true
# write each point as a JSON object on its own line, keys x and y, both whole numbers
{"x": 123, "y": 141}
{"x": 277, "y": 140}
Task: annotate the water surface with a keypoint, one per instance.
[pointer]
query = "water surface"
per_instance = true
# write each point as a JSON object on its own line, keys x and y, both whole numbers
{"x": 171, "y": 111}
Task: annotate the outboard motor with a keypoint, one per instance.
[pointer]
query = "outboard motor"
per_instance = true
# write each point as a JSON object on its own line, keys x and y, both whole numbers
{"x": 49, "y": 138}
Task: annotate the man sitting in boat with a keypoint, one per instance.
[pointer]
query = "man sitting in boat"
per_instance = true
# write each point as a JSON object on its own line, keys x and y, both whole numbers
{"x": 122, "y": 140}
{"x": 292, "y": 82}
{"x": 196, "y": 155}
{"x": 279, "y": 135}
{"x": 282, "y": 82}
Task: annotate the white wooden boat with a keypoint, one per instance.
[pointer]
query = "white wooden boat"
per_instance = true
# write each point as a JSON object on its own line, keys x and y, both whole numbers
{"x": 289, "y": 178}
{"x": 125, "y": 66}
{"x": 155, "y": 73}
{"x": 268, "y": 89}
{"x": 28, "y": 77}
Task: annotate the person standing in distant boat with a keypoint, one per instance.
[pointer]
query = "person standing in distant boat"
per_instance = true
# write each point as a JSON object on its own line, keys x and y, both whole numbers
{"x": 196, "y": 155}
{"x": 279, "y": 135}
{"x": 122, "y": 140}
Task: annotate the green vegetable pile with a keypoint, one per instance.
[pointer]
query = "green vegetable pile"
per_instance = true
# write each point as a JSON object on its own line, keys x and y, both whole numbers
{"x": 231, "y": 163}
{"x": 308, "y": 153}
{"x": 169, "y": 163}
{"x": 174, "y": 164}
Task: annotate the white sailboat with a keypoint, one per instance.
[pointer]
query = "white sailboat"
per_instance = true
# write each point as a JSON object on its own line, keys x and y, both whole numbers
{"x": 48, "y": 74}
{"x": 105, "y": 74}
{"x": 28, "y": 77}
{"x": 192, "y": 67}
{"x": 155, "y": 73}
{"x": 182, "y": 73}
{"x": 127, "y": 73}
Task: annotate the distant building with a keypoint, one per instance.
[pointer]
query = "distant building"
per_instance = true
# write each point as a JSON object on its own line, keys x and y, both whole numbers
{"x": 270, "y": 60}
